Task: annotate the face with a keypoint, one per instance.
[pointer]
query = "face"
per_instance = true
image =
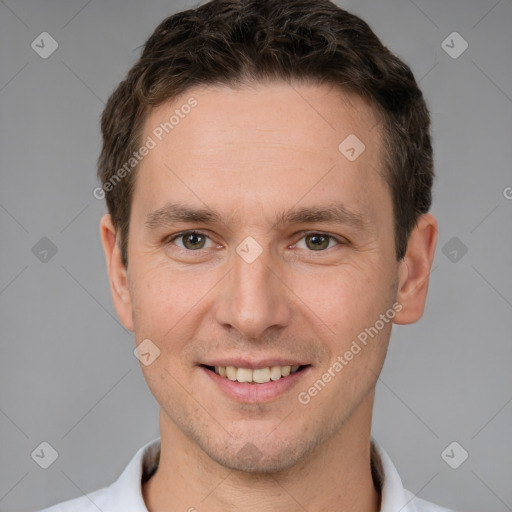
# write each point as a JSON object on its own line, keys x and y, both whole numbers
{"x": 287, "y": 259}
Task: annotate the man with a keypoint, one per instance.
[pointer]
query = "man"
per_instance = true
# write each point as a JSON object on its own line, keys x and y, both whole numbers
{"x": 267, "y": 167}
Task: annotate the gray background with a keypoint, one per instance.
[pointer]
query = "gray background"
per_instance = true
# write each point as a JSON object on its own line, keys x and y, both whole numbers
{"x": 68, "y": 375}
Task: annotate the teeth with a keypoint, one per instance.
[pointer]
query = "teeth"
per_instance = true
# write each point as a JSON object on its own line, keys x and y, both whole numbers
{"x": 258, "y": 375}
{"x": 244, "y": 375}
{"x": 261, "y": 375}
{"x": 275, "y": 372}
{"x": 230, "y": 372}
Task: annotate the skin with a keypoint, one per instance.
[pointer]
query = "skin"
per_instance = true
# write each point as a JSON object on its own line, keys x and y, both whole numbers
{"x": 250, "y": 153}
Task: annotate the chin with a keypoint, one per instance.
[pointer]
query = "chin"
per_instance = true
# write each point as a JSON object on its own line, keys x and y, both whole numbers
{"x": 260, "y": 457}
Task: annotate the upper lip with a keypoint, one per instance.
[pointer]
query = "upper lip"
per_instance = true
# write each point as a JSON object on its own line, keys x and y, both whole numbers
{"x": 253, "y": 364}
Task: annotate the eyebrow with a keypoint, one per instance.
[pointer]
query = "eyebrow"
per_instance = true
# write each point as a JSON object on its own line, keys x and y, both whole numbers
{"x": 335, "y": 213}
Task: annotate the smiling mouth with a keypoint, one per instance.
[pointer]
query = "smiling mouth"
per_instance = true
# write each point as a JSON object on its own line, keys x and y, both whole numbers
{"x": 256, "y": 375}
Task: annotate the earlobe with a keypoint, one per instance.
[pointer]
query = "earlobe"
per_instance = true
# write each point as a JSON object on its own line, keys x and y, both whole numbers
{"x": 117, "y": 272}
{"x": 414, "y": 272}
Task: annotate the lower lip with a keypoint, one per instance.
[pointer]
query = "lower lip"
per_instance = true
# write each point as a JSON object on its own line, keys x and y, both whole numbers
{"x": 252, "y": 393}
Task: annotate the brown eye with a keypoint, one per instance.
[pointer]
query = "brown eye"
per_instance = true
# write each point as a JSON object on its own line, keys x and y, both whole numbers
{"x": 317, "y": 242}
{"x": 191, "y": 240}
{"x": 314, "y": 241}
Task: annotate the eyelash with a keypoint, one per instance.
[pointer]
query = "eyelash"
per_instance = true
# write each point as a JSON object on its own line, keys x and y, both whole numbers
{"x": 303, "y": 234}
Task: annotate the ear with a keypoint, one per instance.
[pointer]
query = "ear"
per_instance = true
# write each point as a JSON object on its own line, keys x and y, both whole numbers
{"x": 117, "y": 272}
{"x": 414, "y": 270}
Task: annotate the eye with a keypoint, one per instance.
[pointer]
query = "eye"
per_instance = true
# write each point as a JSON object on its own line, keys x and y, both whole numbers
{"x": 192, "y": 240}
{"x": 319, "y": 242}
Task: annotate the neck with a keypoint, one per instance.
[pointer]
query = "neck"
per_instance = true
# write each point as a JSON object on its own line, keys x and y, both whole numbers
{"x": 336, "y": 476}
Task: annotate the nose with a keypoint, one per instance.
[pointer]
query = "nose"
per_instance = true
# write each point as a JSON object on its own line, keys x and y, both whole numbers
{"x": 254, "y": 297}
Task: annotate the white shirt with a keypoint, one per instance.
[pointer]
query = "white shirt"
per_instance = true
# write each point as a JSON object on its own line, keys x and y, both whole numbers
{"x": 125, "y": 494}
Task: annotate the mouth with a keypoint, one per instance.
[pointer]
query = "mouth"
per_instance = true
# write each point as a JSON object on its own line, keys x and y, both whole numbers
{"x": 256, "y": 375}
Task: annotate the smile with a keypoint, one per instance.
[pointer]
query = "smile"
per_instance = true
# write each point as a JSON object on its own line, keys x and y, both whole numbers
{"x": 256, "y": 375}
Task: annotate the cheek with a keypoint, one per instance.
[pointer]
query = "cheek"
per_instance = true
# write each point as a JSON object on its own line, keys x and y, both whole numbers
{"x": 163, "y": 298}
{"x": 345, "y": 299}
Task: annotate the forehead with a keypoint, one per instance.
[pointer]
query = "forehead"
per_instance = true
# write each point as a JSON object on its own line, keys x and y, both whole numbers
{"x": 216, "y": 144}
{"x": 262, "y": 113}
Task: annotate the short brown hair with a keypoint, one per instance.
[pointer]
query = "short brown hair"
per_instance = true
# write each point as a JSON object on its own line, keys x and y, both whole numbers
{"x": 232, "y": 42}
